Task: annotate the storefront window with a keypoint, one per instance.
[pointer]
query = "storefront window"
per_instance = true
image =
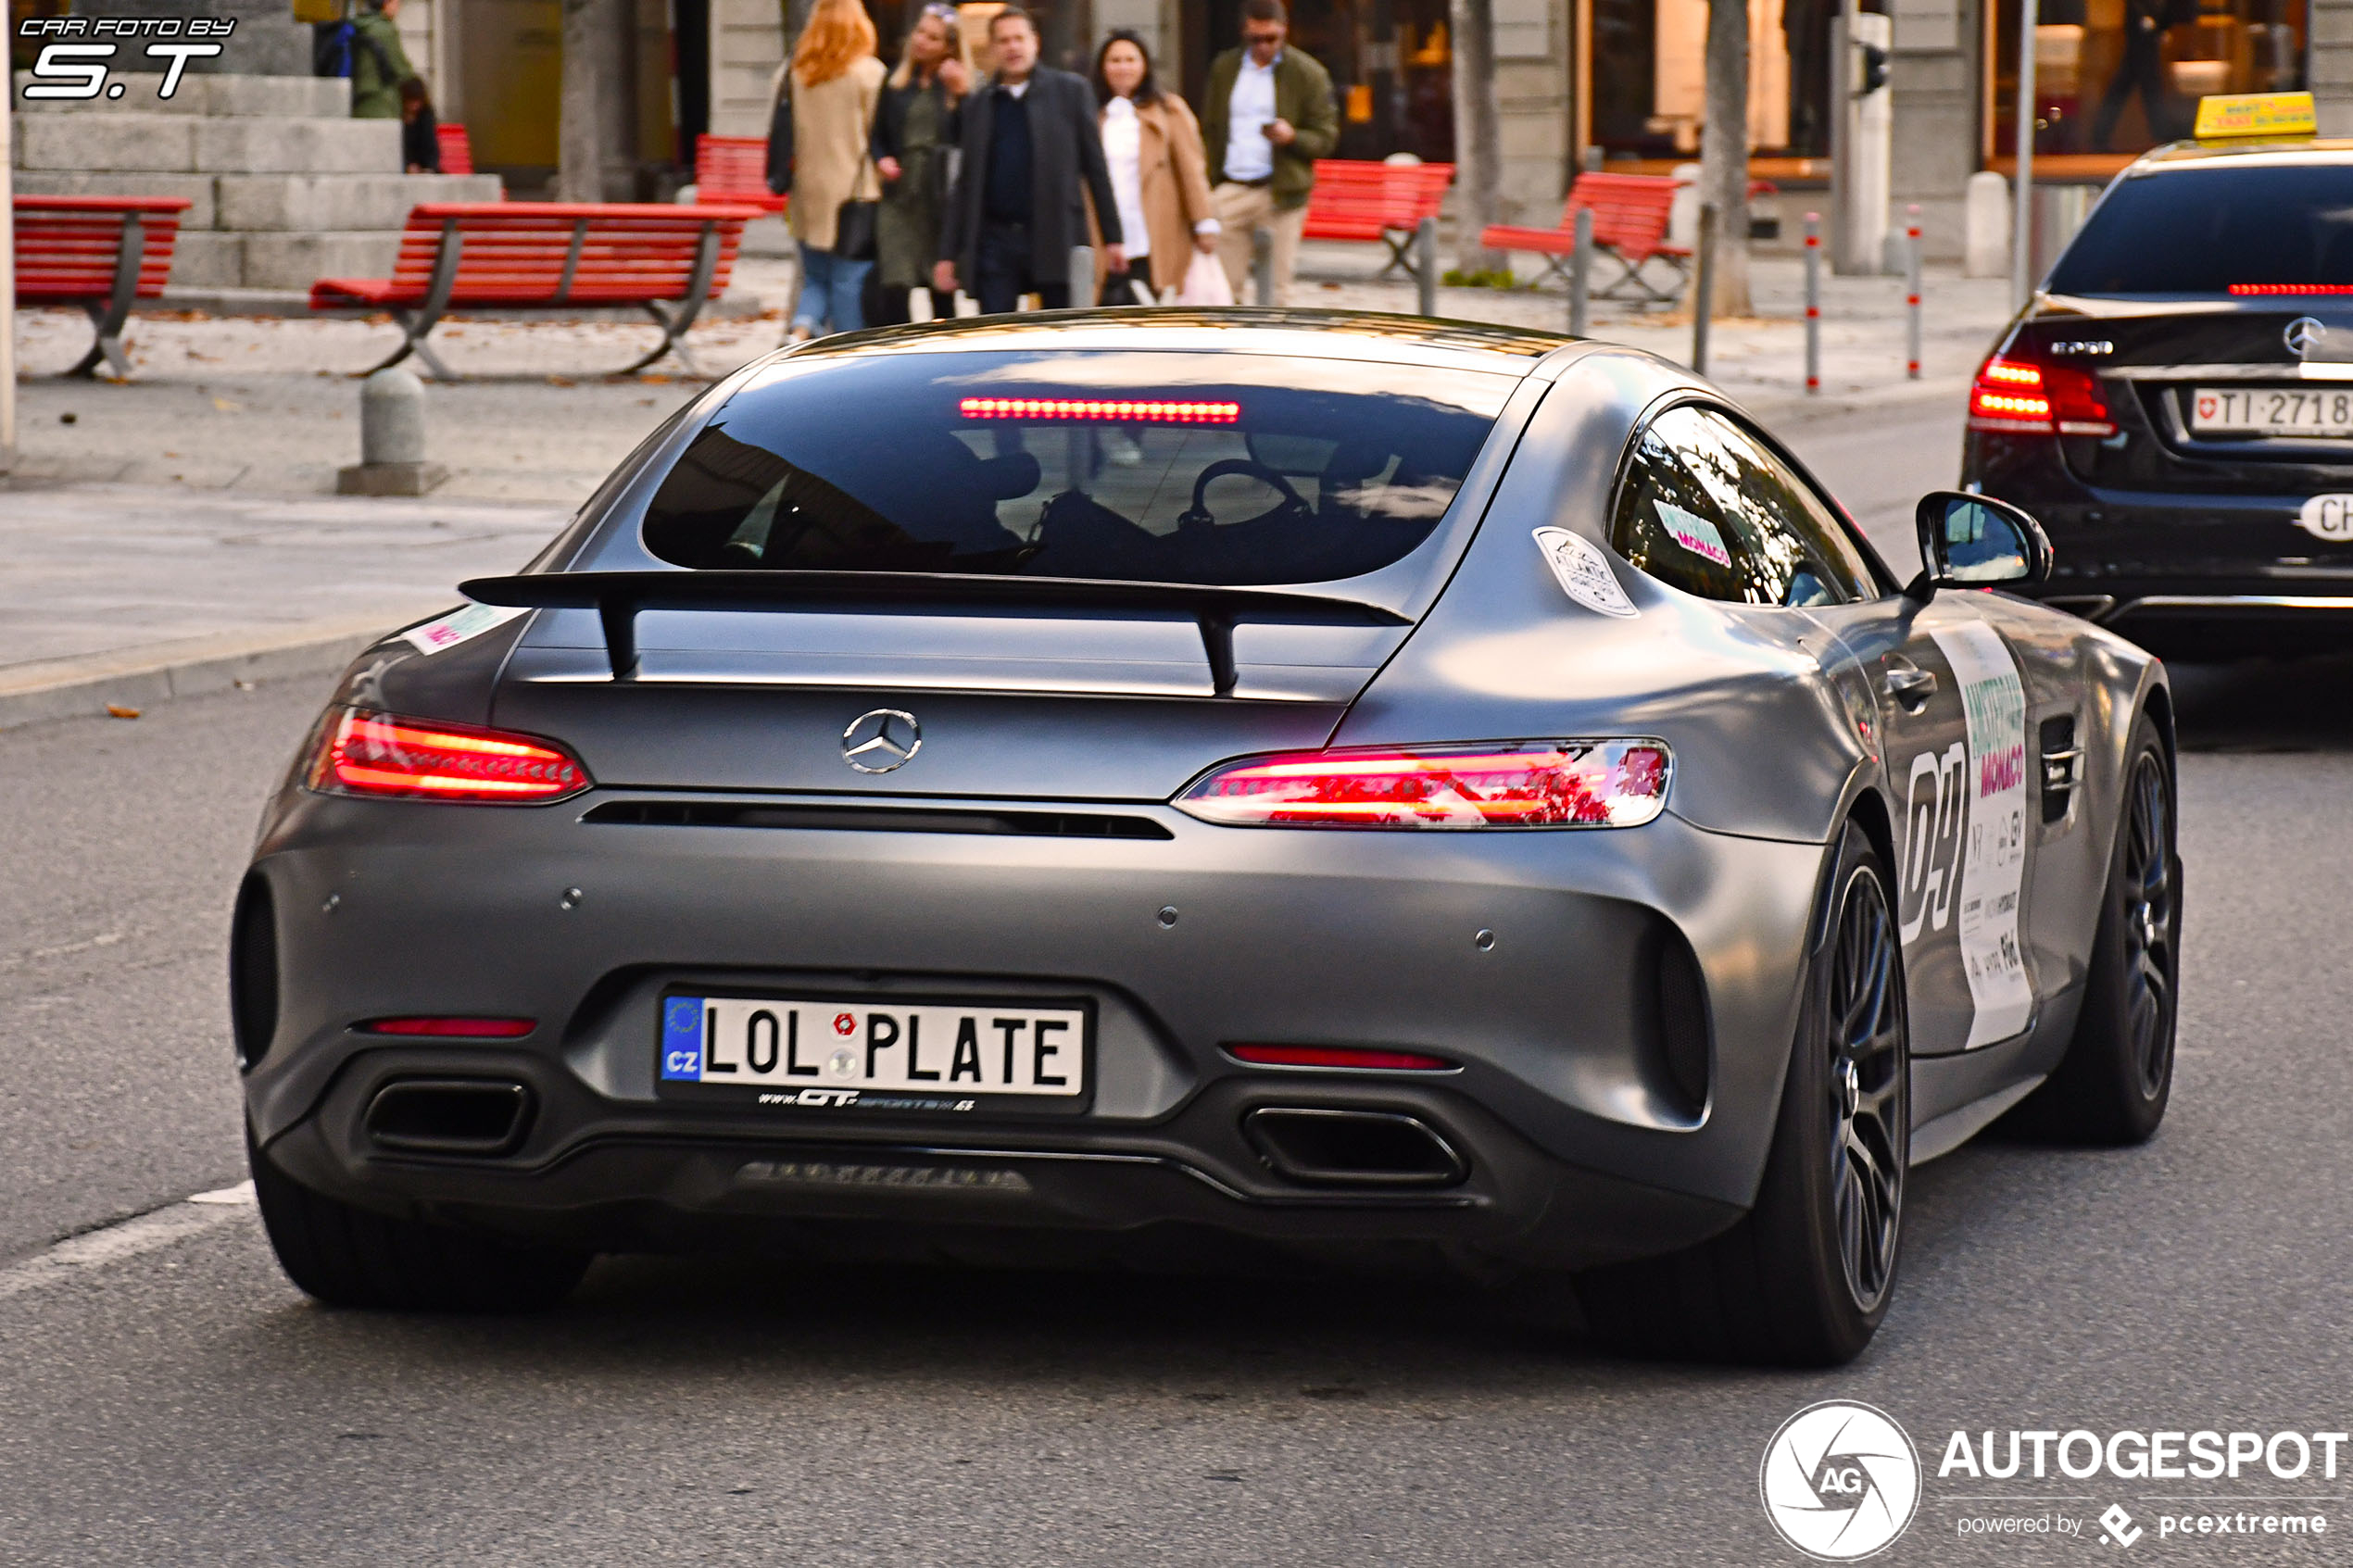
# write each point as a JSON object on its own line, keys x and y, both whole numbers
{"x": 1650, "y": 77}
{"x": 1391, "y": 64}
{"x": 2123, "y": 76}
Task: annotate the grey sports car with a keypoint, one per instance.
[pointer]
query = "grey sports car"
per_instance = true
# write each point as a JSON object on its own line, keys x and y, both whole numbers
{"x": 1169, "y": 783}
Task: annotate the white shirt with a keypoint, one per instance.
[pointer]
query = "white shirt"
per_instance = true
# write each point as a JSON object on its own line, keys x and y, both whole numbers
{"x": 1123, "y": 149}
{"x": 1248, "y": 154}
{"x": 1017, "y": 89}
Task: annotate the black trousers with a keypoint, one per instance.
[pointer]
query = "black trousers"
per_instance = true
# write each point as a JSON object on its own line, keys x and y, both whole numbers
{"x": 1004, "y": 266}
{"x": 2141, "y": 70}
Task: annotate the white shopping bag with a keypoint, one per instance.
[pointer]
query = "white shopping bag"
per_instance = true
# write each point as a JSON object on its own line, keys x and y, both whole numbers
{"x": 1205, "y": 283}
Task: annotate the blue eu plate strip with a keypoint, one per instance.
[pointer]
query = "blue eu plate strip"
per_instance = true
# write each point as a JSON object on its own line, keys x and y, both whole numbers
{"x": 682, "y": 1038}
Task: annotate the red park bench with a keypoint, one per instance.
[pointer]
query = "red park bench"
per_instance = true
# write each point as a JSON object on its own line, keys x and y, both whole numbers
{"x": 102, "y": 253}
{"x": 1630, "y": 227}
{"x": 494, "y": 256}
{"x": 457, "y": 148}
{"x": 735, "y": 169}
{"x": 1356, "y": 200}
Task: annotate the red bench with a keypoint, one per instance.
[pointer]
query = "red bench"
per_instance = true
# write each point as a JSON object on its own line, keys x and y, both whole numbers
{"x": 457, "y": 256}
{"x": 457, "y": 148}
{"x": 735, "y": 169}
{"x": 102, "y": 253}
{"x": 1630, "y": 227}
{"x": 1355, "y": 200}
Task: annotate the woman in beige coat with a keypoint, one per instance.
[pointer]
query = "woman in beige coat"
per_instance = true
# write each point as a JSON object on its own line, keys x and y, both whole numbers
{"x": 1158, "y": 172}
{"x": 834, "y": 81}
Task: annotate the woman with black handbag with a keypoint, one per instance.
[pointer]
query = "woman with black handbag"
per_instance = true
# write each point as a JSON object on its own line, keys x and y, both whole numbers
{"x": 825, "y": 98}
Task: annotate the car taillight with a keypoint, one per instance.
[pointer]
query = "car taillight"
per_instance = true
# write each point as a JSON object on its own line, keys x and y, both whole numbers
{"x": 2025, "y": 397}
{"x": 1352, "y": 1058}
{"x": 1602, "y": 784}
{"x": 436, "y": 1028}
{"x": 378, "y": 755}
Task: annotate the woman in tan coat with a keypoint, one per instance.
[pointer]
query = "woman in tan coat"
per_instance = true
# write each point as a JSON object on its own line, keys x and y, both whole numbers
{"x": 1158, "y": 172}
{"x": 834, "y": 81}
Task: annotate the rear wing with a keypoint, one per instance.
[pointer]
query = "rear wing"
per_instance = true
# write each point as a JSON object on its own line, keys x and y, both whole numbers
{"x": 617, "y": 597}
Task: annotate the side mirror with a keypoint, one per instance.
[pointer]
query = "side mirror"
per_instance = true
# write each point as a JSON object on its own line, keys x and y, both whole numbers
{"x": 1974, "y": 542}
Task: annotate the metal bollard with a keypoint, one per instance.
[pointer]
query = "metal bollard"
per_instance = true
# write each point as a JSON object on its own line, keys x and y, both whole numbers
{"x": 1581, "y": 276}
{"x": 392, "y": 439}
{"x": 1912, "y": 291}
{"x": 1261, "y": 268}
{"x": 1813, "y": 303}
{"x": 1704, "y": 287}
{"x": 1426, "y": 267}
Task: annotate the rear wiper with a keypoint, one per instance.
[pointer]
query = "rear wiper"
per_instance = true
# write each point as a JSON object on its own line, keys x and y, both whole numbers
{"x": 617, "y": 597}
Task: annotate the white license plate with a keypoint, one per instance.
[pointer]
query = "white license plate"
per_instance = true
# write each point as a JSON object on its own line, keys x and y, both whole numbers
{"x": 832, "y": 1052}
{"x": 2271, "y": 410}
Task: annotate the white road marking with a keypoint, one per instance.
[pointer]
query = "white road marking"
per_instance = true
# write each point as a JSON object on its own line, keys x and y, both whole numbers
{"x": 142, "y": 1234}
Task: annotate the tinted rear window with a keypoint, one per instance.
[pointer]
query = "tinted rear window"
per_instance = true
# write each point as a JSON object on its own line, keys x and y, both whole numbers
{"x": 1145, "y": 466}
{"x": 2198, "y": 231}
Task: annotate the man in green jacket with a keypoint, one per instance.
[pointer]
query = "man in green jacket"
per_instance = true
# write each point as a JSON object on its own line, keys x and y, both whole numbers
{"x": 379, "y": 65}
{"x": 1266, "y": 116}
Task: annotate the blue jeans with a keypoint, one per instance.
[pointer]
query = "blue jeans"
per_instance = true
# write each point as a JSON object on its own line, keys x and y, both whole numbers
{"x": 829, "y": 289}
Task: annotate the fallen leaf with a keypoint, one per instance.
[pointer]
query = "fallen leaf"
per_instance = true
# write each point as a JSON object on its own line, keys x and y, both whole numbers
{"x": 68, "y": 419}
{"x": 559, "y": 381}
{"x": 116, "y": 710}
{"x": 228, "y": 407}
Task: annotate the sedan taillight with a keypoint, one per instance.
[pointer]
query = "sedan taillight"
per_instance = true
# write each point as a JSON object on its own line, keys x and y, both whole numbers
{"x": 1603, "y": 783}
{"x": 2026, "y": 397}
{"x": 378, "y": 755}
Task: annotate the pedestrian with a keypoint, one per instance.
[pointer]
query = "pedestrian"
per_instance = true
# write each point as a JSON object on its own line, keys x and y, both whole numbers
{"x": 1031, "y": 159}
{"x": 1267, "y": 115}
{"x": 1159, "y": 175}
{"x": 915, "y": 134}
{"x": 420, "y": 128}
{"x": 379, "y": 65}
{"x": 2141, "y": 71}
{"x": 829, "y": 90}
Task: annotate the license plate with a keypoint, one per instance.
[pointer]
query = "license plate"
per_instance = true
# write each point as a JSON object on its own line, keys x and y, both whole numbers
{"x": 2269, "y": 411}
{"x": 898, "y": 1054}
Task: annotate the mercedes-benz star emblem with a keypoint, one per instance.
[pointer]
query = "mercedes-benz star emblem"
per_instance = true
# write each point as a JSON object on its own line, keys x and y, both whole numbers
{"x": 879, "y": 741}
{"x": 2303, "y": 335}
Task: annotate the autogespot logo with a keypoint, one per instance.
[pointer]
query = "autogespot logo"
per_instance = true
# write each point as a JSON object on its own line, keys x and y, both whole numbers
{"x": 1840, "y": 1481}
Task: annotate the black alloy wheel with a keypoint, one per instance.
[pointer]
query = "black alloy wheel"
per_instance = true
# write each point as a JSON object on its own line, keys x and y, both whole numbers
{"x": 1868, "y": 1088}
{"x": 2150, "y": 961}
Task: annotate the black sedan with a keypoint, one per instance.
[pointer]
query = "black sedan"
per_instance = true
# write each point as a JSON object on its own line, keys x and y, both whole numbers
{"x": 2176, "y": 404}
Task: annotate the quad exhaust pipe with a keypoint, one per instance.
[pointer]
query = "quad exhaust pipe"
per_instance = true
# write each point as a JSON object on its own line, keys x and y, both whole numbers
{"x": 1321, "y": 1146}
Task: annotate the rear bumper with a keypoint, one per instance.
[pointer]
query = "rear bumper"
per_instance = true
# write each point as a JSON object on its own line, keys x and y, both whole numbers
{"x": 1576, "y": 1142}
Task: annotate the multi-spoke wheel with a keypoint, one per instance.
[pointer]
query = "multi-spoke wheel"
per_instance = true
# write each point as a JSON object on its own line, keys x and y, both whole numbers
{"x": 1804, "y": 1278}
{"x": 2118, "y": 1075}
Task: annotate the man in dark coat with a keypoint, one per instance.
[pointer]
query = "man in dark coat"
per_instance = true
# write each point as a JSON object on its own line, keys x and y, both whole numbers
{"x": 1030, "y": 147}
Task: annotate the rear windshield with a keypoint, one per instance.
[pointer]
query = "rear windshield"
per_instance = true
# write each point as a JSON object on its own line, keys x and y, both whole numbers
{"x": 2204, "y": 231}
{"x": 1146, "y": 466}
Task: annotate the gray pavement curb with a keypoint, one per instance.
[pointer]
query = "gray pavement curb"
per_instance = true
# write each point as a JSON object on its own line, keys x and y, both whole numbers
{"x": 143, "y": 677}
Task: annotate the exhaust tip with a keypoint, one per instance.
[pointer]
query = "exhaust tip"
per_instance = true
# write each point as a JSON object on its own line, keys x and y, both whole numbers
{"x": 1318, "y": 1146}
{"x": 474, "y": 1116}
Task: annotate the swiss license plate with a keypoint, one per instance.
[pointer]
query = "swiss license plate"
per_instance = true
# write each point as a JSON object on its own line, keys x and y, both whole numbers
{"x": 887, "y": 1054}
{"x": 2271, "y": 410}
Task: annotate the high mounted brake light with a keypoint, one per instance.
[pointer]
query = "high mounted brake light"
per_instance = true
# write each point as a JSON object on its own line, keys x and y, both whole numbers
{"x": 2243, "y": 290}
{"x": 2021, "y": 396}
{"x": 1571, "y": 783}
{"x": 1125, "y": 411}
{"x": 380, "y": 756}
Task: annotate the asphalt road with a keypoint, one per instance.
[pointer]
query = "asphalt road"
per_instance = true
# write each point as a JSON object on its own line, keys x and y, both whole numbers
{"x": 183, "y": 1404}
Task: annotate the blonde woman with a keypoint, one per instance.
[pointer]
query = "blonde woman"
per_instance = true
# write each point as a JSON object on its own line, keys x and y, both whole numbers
{"x": 832, "y": 82}
{"x": 913, "y": 129}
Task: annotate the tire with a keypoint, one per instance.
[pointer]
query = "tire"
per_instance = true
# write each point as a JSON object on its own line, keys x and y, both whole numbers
{"x": 2112, "y": 1086}
{"x": 1804, "y": 1278}
{"x": 345, "y": 1256}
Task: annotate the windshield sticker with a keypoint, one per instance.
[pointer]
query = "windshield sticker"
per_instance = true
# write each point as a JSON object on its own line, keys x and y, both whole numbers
{"x": 1993, "y": 851}
{"x": 459, "y": 626}
{"x": 1693, "y": 531}
{"x": 1583, "y": 572}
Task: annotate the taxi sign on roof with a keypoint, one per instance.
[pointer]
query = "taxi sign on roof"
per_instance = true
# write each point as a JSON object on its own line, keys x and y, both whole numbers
{"x": 2229, "y": 115}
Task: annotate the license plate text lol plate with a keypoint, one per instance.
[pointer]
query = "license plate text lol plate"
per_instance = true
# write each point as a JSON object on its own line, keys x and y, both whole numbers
{"x": 760, "y": 1042}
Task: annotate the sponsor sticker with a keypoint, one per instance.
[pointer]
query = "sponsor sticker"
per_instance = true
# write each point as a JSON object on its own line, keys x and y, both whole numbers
{"x": 457, "y": 626}
{"x": 1693, "y": 531}
{"x": 1994, "y": 850}
{"x": 1583, "y": 572}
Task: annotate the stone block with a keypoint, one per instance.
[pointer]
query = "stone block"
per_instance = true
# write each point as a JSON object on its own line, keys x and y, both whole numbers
{"x": 206, "y": 259}
{"x": 105, "y": 141}
{"x": 271, "y": 145}
{"x": 280, "y": 202}
{"x": 298, "y": 260}
{"x": 197, "y": 188}
{"x": 281, "y": 98}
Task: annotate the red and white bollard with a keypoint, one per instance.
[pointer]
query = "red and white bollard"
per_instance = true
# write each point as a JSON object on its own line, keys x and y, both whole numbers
{"x": 1813, "y": 303}
{"x": 1912, "y": 291}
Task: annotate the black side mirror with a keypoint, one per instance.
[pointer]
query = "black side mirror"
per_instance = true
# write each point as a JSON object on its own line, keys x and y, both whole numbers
{"x": 1974, "y": 542}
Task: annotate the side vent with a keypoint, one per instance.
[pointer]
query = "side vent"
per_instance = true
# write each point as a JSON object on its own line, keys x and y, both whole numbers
{"x": 2062, "y": 763}
{"x": 1671, "y": 1019}
{"x": 253, "y": 970}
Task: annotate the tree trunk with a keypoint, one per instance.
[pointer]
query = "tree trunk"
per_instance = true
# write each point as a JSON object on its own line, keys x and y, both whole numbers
{"x": 1723, "y": 158}
{"x": 579, "y": 142}
{"x": 1478, "y": 135}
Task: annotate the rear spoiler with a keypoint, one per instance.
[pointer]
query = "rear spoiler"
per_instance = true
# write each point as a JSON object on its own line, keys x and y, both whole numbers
{"x": 617, "y": 597}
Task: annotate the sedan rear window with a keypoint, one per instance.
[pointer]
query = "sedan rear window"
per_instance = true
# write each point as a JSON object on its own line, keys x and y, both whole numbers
{"x": 2215, "y": 232}
{"x": 1157, "y": 467}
